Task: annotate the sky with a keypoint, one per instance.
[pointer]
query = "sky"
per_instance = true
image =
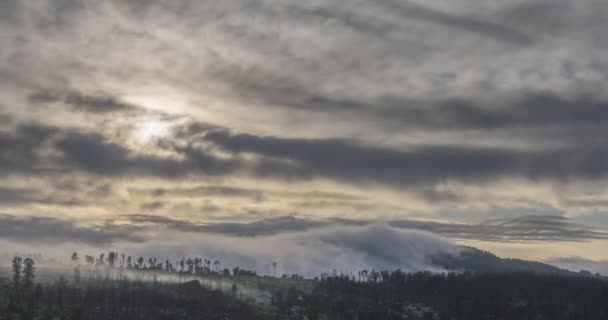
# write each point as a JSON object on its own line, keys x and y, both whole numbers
{"x": 136, "y": 124}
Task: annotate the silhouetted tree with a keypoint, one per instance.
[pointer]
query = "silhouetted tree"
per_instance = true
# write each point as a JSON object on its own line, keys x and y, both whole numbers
{"x": 28, "y": 273}
{"x": 112, "y": 256}
{"x": 17, "y": 272}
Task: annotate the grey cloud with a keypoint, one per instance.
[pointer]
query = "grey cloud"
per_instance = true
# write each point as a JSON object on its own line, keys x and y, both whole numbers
{"x": 349, "y": 161}
{"x": 152, "y": 206}
{"x": 532, "y": 110}
{"x": 297, "y": 159}
{"x": 14, "y": 195}
{"x": 580, "y": 22}
{"x": 82, "y": 102}
{"x": 240, "y": 192}
{"x": 32, "y": 229}
{"x": 25, "y": 196}
{"x": 202, "y": 161}
{"x": 259, "y": 228}
{"x": 9, "y": 12}
{"x": 413, "y": 10}
{"x": 92, "y": 153}
{"x": 20, "y": 152}
{"x": 208, "y": 191}
{"x": 520, "y": 229}
{"x": 4, "y": 119}
{"x": 580, "y": 264}
{"x": 19, "y": 149}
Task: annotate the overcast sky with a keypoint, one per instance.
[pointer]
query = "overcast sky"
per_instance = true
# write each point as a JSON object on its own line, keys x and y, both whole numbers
{"x": 482, "y": 122}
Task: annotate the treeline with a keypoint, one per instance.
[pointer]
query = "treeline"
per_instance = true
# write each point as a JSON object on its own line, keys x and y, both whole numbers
{"x": 458, "y": 296}
{"x": 186, "y": 265}
{"x": 366, "y": 295}
{"x": 105, "y": 298}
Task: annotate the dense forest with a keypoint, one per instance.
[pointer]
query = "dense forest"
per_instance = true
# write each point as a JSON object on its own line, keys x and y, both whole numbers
{"x": 113, "y": 287}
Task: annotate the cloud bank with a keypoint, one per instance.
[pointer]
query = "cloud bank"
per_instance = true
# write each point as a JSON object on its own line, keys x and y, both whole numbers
{"x": 309, "y": 252}
{"x": 580, "y": 264}
{"x": 298, "y": 245}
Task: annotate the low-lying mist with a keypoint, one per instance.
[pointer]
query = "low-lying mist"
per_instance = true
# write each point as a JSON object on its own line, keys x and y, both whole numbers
{"x": 308, "y": 253}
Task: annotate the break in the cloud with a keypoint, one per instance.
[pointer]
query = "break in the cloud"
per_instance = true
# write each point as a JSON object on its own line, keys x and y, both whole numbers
{"x": 205, "y": 112}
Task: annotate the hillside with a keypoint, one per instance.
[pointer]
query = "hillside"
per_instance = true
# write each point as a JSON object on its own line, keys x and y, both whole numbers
{"x": 475, "y": 260}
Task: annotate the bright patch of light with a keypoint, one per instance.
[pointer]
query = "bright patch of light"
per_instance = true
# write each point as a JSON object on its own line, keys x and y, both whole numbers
{"x": 150, "y": 130}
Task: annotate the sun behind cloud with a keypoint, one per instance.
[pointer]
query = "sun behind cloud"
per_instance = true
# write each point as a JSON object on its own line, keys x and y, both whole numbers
{"x": 149, "y": 130}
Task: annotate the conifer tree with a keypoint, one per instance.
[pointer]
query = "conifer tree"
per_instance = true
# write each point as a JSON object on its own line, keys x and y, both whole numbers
{"x": 28, "y": 273}
{"x": 17, "y": 272}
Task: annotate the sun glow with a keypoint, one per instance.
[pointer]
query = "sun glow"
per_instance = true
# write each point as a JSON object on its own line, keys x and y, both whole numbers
{"x": 150, "y": 130}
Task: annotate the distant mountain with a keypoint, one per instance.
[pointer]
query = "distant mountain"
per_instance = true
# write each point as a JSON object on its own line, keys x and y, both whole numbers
{"x": 475, "y": 260}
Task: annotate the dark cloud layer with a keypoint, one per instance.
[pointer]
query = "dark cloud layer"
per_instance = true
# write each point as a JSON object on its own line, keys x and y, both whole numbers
{"x": 521, "y": 229}
{"x": 338, "y": 159}
{"x": 31, "y": 229}
{"x": 349, "y": 161}
{"x": 28, "y": 196}
{"x": 20, "y": 151}
{"x": 413, "y": 10}
{"x": 531, "y": 110}
{"x": 525, "y": 229}
{"x": 92, "y": 153}
{"x": 14, "y": 195}
{"x": 258, "y": 228}
{"x": 100, "y": 104}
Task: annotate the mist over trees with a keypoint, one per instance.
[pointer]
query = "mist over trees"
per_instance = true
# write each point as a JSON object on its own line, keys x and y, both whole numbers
{"x": 118, "y": 286}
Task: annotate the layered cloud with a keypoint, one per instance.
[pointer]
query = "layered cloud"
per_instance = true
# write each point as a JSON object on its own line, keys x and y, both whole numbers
{"x": 488, "y": 118}
{"x": 141, "y": 228}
